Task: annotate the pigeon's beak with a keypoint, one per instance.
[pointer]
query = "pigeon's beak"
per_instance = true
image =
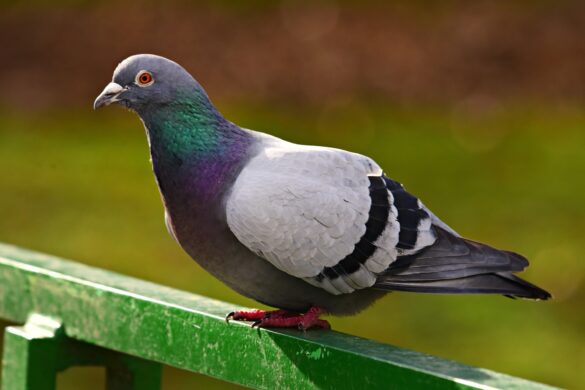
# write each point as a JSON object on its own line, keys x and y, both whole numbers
{"x": 109, "y": 95}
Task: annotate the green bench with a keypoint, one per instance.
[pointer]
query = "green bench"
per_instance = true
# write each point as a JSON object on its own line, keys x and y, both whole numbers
{"x": 75, "y": 315}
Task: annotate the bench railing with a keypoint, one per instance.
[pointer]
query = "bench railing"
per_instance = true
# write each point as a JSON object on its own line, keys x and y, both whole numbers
{"x": 78, "y": 315}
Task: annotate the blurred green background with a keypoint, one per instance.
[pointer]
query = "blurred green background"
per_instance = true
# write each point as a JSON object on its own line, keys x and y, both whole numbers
{"x": 477, "y": 107}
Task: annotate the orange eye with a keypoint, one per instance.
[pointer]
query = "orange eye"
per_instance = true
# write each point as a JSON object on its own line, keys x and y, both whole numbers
{"x": 144, "y": 78}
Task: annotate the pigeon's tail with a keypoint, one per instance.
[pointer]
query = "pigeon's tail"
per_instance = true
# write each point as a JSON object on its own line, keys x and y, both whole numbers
{"x": 499, "y": 283}
{"x": 454, "y": 265}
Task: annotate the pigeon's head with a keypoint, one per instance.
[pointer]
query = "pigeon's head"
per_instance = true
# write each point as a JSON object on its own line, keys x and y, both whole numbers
{"x": 144, "y": 82}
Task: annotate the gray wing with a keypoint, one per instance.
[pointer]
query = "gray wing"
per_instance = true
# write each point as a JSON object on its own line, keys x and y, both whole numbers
{"x": 335, "y": 220}
{"x": 303, "y": 209}
{"x": 324, "y": 215}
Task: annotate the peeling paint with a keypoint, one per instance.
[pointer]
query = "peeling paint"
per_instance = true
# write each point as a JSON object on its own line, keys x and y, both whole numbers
{"x": 316, "y": 354}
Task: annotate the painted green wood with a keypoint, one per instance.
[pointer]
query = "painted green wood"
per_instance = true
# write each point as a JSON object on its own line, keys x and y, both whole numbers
{"x": 27, "y": 364}
{"x": 35, "y": 353}
{"x": 188, "y": 331}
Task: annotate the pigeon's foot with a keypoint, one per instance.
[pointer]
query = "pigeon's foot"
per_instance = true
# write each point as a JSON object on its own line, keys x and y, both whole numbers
{"x": 256, "y": 314}
{"x": 282, "y": 318}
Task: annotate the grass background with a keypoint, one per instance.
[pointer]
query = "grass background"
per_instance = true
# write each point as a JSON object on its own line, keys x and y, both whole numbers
{"x": 79, "y": 185}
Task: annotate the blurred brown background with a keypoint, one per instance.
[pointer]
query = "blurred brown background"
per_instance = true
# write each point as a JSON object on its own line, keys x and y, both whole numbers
{"x": 477, "y": 107}
{"x": 409, "y": 52}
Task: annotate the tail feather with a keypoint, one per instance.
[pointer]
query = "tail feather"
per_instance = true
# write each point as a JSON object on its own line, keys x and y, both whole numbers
{"x": 454, "y": 265}
{"x": 499, "y": 283}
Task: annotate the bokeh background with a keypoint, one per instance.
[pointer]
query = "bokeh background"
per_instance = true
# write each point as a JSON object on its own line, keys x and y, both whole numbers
{"x": 477, "y": 107}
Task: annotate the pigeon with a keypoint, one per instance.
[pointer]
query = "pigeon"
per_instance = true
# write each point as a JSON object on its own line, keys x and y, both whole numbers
{"x": 309, "y": 230}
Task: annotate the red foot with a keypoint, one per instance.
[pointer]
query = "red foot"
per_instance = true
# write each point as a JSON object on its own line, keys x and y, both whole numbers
{"x": 254, "y": 314}
{"x": 282, "y": 318}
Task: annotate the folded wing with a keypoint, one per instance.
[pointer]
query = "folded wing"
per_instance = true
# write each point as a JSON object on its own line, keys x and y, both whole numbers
{"x": 313, "y": 213}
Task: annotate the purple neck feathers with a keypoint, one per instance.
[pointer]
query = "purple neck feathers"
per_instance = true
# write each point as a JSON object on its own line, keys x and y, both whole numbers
{"x": 195, "y": 157}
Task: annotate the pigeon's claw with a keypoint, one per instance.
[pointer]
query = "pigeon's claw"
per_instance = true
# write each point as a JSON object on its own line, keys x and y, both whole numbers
{"x": 282, "y": 319}
{"x": 249, "y": 315}
{"x": 257, "y": 323}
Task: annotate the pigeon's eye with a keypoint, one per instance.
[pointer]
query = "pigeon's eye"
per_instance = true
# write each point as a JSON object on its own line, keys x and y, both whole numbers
{"x": 144, "y": 78}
